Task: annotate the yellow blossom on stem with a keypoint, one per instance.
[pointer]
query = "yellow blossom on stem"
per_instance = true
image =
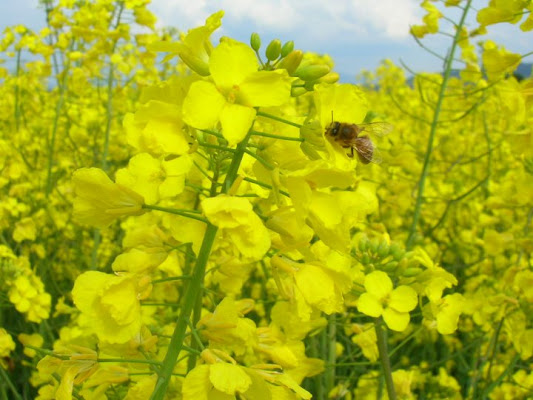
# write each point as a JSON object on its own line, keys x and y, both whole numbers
{"x": 381, "y": 300}
{"x": 100, "y": 201}
{"x": 109, "y": 305}
{"x": 237, "y": 220}
{"x": 237, "y": 87}
{"x": 223, "y": 378}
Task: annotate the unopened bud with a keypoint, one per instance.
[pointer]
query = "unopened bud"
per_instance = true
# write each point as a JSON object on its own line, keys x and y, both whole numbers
{"x": 292, "y": 61}
{"x": 412, "y": 271}
{"x": 298, "y": 91}
{"x": 383, "y": 249}
{"x": 195, "y": 63}
{"x": 332, "y": 77}
{"x": 273, "y": 50}
{"x": 255, "y": 41}
{"x": 312, "y": 72}
{"x": 287, "y": 48}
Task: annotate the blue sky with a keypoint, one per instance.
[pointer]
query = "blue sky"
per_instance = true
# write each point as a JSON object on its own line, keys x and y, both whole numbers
{"x": 358, "y": 34}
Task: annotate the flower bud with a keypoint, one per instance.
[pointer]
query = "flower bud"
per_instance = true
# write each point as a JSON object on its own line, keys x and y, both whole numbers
{"x": 287, "y": 48}
{"x": 255, "y": 41}
{"x": 332, "y": 77}
{"x": 390, "y": 266}
{"x": 298, "y": 91}
{"x": 273, "y": 50}
{"x": 412, "y": 271}
{"x": 383, "y": 249}
{"x": 373, "y": 245}
{"x": 312, "y": 72}
{"x": 292, "y": 61}
{"x": 363, "y": 244}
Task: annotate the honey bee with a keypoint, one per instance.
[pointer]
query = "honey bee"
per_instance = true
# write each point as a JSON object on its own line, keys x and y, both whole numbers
{"x": 355, "y": 138}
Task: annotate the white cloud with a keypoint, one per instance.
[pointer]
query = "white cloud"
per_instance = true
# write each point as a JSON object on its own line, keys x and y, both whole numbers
{"x": 315, "y": 19}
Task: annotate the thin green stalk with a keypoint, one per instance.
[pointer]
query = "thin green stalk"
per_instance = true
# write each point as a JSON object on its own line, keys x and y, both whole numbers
{"x": 5, "y": 378}
{"x": 280, "y": 137}
{"x": 183, "y": 213}
{"x": 318, "y": 379}
{"x": 433, "y": 129}
{"x": 331, "y": 354}
{"x": 193, "y": 288}
{"x": 381, "y": 333}
{"x": 189, "y": 300}
{"x": 276, "y": 118}
{"x": 175, "y": 278}
{"x": 55, "y": 125}
{"x": 126, "y": 360}
{"x": 109, "y": 105}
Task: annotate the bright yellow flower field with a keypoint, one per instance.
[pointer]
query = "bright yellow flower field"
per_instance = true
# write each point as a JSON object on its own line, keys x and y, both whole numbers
{"x": 185, "y": 219}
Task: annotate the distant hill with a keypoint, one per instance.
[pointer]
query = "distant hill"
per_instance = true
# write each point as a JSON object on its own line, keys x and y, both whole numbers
{"x": 524, "y": 70}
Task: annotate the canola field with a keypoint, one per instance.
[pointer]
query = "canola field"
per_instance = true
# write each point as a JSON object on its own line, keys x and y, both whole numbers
{"x": 185, "y": 218}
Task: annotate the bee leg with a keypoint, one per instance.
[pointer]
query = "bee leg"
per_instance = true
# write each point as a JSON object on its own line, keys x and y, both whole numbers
{"x": 351, "y": 152}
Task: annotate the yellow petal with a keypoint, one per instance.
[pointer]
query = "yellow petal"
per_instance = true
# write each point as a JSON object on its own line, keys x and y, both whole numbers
{"x": 369, "y": 305}
{"x": 196, "y": 385}
{"x": 378, "y": 284}
{"x": 231, "y": 62}
{"x": 265, "y": 89}
{"x": 229, "y": 378}
{"x": 395, "y": 320}
{"x": 236, "y": 120}
{"x": 202, "y": 106}
{"x": 403, "y": 299}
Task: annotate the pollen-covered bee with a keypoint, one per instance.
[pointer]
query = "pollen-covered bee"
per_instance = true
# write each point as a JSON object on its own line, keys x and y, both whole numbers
{"x": 354, "y": 137}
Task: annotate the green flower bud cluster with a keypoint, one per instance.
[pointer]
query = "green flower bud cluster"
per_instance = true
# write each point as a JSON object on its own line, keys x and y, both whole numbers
{"x": 391, "y": 258}
{"x": 275, "y": 53}
{"x": 285, "y": 57}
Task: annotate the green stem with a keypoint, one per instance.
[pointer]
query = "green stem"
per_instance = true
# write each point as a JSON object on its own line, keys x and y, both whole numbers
{"x": 318, "y": 379}
{"x": 265, "y": 185}
{"x": 55, "y": 125}
{"x": 125, "y": 360}
{"x": 175, "y": 278}
{"x": 271, "y": 135}
{"x": 5, "y": 378}
{"x": 276, "y": 118}
{"x": 193, "y": 288}
{"x": 433, "y": 129}
{"x": 183, "y": 213}
{"x": 329, "y": 374}
{"x": 381, "y": 333}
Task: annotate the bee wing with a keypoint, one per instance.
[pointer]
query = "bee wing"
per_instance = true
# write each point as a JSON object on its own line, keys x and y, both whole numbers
{"x": 370, "y": 154}
{"x": 378, "y": 129}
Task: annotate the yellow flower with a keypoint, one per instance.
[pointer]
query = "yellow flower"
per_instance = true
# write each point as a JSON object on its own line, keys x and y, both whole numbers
{"x": 381, "y": 300}
{"x": 220, "y": 379}
{"x": 100, "y": 201}
{"x": 227, "y": 329}
{"x": 315, "y": 285}
{"x": 236, "y": 89}
{"x": 109, "y": 305}
{"x": 195, "y": 47}
{"x": 498, "y": 61}
{"x": 34, "y": 340}
{"x": 24, "y": 230}
{"x": 154, "y": 179}
{"x": 7, "y": 345}
{"x": 157, "y": 126}
{"x": 240, "y": 224}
